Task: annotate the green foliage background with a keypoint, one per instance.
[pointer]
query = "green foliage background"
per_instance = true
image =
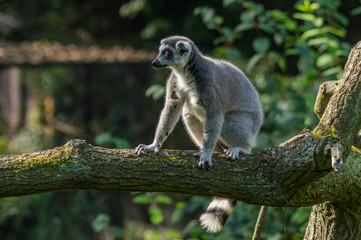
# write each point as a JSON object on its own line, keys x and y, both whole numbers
{"x": 286, "y": 48}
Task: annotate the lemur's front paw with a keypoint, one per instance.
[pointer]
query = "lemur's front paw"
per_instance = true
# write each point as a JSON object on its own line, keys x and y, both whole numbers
{"x": 205, "y": 159}
{"x": 142, "y": 148}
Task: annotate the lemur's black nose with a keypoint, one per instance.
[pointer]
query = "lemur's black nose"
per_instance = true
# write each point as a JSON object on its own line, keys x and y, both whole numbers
{"x": 156, "y": 63}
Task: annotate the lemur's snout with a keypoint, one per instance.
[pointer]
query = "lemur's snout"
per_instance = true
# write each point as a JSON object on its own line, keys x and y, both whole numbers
{"x": 156, "y": 63}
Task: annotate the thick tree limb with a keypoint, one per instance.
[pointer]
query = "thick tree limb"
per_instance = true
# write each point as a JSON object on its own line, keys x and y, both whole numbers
{"x": 276, "y": 176}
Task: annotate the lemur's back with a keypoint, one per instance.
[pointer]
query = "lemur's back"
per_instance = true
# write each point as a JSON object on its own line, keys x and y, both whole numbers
{"x": 233, "y": 87}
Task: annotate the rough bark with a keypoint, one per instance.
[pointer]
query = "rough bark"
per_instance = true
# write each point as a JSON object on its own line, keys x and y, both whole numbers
{"x": 330, "y": 221}
{"x": 296, "y": 173}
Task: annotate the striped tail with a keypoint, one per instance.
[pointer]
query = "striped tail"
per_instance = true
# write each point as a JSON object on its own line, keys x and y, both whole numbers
{"x": 217, "y": 213}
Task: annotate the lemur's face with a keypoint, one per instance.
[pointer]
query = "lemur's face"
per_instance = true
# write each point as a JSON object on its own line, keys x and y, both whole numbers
{"x": 173, "y": 55}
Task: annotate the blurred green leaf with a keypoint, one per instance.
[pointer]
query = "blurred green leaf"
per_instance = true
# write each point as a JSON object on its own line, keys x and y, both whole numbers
{"x": 142, "y": 199}
{"x": 261, "y": 45}
{"x": 131, "y": 8}
{"x": 356, "y": 11}
{"x": 173, "y": 234}
{"x": 304, "y": 16}
{"x": 290, "y": 25}
{"x": 244, "y": 26}
{"x": 340, "y": 17}
{"x": 335, "y": 31}
{"x": 267, "y": 27}
{"x": 208, "y": 16}
{"x": 318, "y": 22}
{"x": 154, "y": 236}
{"x": 325, "y": 61}
{"x": 255, "y": 59}
{"x": 333, "y": 71}
{"x": 312, "y": 33}
{"x": 247, "y": 17}
{"x": 103, "y": 139}
{"x": 117, "y": 232}
{"x": 158, "y": 26}
{"x": 163, "y": 199}
{"x": 292, "y": 51}
{"x": 178, "y": 213}
{"x": 308, "y": 6}
{"x": 318, "y": 41}
{"x": 106, "y": 139}
{"x": 122, "y": 143}
{"x": 255, "y": 8}
{"x": 192, "y": 228}
{"x": 156, "y": 215}
{"x": 100, "y": 222}
{"x": 278, "y": 14}
{"x": 157, "y": 91}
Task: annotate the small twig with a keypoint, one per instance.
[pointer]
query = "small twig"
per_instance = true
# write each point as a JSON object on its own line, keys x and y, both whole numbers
{"x": 259, "y": 224}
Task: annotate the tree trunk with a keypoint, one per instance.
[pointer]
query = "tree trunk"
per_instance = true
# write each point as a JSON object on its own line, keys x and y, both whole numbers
{"x": 329, "y": 221}
{"x": 11, "y": 97}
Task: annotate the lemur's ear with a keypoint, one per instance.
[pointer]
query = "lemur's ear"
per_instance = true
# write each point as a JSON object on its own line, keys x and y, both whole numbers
{"x": 181, "y": 47}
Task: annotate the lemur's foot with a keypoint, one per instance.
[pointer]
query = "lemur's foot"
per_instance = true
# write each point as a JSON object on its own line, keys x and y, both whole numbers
{"x": 205, "y": 159}
{"x": 233, "y": 153}
{"x": 142, "y": 148}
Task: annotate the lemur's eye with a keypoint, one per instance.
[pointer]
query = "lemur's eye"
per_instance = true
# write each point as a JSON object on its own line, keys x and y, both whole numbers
{"x": 166, "y": 53}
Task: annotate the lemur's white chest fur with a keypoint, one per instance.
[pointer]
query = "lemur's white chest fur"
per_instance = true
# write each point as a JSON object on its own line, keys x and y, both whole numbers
{"x": 188, "y": 90}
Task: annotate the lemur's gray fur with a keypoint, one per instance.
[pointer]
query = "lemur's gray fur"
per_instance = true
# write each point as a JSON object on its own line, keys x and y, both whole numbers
{"x": 218, "y": 104}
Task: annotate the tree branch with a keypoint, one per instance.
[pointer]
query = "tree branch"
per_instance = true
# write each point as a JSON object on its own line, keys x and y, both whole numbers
{"x": 251, "y": 179}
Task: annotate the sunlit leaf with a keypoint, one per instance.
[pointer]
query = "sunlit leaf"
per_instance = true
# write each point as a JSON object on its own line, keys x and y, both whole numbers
{"x": 290, "y": 25}
{"x": 278, "y": 14}
{"x": 156, "y": 215}
{"x": 244, "y": 26}
{"x": 333, "y": 71}
{"x": 247, "y": 16}
{"x": 142, "y": 199}
{"x": 163, "y": 199}
{"x": 100, "y": 222}
{"x": 157, "y": 91}
{"x": 292, "y": 51}
{"x": 325, "y": 61}
{"x": 317, "y": 41}
{"x": 253, "y": 61}
{"x": 311, "y": 33}
{"x": 154, "y": 236}
{"x": 172, "y": 234}
{"x": 261, "y": 45}
{"x": 304, "y": 16}
{"x": 335, "y": 31}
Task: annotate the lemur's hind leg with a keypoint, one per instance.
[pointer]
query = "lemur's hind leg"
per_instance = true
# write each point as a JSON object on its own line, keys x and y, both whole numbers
{"x": 239, "y": 133}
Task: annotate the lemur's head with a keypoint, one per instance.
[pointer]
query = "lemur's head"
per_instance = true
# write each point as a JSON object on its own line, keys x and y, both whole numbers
{"x": 174, "y": 52}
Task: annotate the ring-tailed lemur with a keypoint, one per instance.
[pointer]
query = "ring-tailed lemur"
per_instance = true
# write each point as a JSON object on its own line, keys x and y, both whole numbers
{"x": 218, "y": 104}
